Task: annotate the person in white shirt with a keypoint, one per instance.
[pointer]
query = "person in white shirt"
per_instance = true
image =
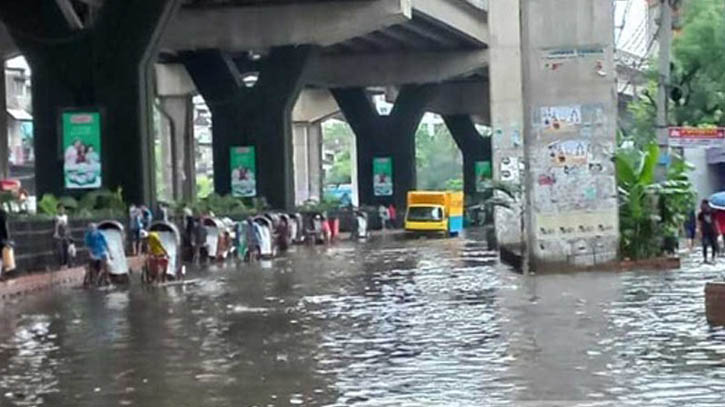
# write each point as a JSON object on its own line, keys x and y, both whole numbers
{"x": 62, "y": 236}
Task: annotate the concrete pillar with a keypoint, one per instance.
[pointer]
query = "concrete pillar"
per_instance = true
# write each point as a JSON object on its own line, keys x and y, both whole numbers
{"x": 314, "y": 160}
{"x": 507, "y": 117}
{"x": 108, "y": 67}
{"x": 258, "y": 116}
{"x": 165, "y": 185}
{"x": 4, "y": 150}
{"x": 473, "y": 146}
{"x": 570, "y": 106}
{"x": 178, "y": 146}
{"x": 385, "y": 136}
{"x": 301, "y": 162}
{"x": 307, "y": 161}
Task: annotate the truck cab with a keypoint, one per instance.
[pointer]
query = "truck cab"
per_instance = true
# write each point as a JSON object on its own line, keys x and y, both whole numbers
{"x": 434, "y": 212}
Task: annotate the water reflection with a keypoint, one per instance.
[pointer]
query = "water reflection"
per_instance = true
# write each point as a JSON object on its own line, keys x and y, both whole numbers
{"x": 389, "y": 322}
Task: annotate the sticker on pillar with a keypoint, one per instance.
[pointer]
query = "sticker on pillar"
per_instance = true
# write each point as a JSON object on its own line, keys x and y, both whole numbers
{"x": 555, "y": 119}
{"x": 244, "y": 177}
{"x": 82, "y": 149}
{"x": 483, "y": 175}
{"x": 383, "y": 176}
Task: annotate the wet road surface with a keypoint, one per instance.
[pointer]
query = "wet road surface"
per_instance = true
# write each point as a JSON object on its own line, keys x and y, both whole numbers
{"x": 383, "y": 323}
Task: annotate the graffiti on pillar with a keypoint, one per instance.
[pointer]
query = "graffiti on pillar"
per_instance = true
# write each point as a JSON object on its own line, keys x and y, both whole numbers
{"x": 244, "y": 175}
{"x": 569, "y": 153}
{"x": 383, "y": 176}
{"x": 484, "y": 172}
{"x": 576, "y": 225}
{"x": 509, "y": 169}
{"x": 516, "y": 137}
{"x": 82, "y": 149}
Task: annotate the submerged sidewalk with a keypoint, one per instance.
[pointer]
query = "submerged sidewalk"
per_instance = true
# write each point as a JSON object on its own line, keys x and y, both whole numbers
{"x": 33, "y": 282}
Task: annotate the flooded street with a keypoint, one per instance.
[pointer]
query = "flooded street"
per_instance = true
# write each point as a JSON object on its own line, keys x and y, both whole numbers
{"x": 383, "y": 323}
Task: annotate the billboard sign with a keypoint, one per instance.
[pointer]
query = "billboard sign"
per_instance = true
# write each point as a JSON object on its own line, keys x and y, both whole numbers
{"x": 81, "y": 149}
{"x": 695, "y": 137}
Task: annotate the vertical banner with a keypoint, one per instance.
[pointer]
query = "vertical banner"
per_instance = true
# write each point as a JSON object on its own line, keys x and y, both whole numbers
{"x": 484, "y": 174}
{"x": 383, "y": 176}
{"x": 243, "y": 167}
{"x": 82, "y": 149}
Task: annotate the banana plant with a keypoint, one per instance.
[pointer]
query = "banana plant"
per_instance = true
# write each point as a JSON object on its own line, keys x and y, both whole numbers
{"x": 650, "y": 211}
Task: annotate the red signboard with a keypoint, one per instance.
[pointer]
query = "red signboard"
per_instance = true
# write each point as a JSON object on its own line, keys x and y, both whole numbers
{"x": 694, "y": 137}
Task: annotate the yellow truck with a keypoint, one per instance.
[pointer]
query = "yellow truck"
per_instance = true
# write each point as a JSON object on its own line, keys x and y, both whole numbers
{"x": 431, "y": 211}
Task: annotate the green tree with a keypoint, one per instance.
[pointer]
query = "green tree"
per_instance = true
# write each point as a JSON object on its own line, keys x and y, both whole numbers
{"x": 337, "y": 137}
{"x": 439, "y": 164}
{"x": 697, "y": 85}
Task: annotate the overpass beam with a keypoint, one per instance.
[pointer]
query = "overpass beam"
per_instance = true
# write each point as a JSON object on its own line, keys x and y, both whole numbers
{"x": 385, "y": 136}
{"x": 394, "y": 68}
{"x": 258, "y": 116}
{"x": 473, "y": 146}
{"x": 108, "y": 67}
{"x": 259, "y": 27}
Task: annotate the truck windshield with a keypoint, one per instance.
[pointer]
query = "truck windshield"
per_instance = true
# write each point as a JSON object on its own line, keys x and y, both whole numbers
{"x": 425, "y": 214}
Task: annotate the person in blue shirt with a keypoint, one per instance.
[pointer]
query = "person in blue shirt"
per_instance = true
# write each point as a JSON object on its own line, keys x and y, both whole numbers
{"x": 146, "y": 217}
{"x": 98, "y": 251}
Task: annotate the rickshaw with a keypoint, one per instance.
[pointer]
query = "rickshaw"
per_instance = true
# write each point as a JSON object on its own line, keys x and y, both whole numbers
{"x": 297, "y": 229}
{"x": 360, "y": 225}
{"x": 266, "y": 236}
{"x": 294, "y": 228}
{"x": 118, "y": 270}
{"x": 171, "y": 241}
{"x": 214, "y": 233}
{"x": 315, "y": 228}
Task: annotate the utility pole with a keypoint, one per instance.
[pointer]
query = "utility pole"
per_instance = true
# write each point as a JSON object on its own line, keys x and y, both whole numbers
{"x": 665, "y": 43}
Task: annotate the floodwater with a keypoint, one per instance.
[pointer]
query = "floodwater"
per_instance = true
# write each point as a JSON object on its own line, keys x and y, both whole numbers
{"x": 383, "y": 323}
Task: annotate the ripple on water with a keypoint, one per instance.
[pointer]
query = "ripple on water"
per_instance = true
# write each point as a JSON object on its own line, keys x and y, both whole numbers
{"x": 383, "y": 323}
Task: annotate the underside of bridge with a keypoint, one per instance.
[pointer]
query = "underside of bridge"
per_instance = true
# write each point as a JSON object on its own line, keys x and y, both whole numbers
{"x": 354, "y": 45}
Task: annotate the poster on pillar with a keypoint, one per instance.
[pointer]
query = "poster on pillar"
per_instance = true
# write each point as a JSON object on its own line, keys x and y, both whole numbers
{"x": 383, "y": 176}
{"x": 82, "y": 149}
{"x": 484, "y": 173}
{"x": 244, "y": 176}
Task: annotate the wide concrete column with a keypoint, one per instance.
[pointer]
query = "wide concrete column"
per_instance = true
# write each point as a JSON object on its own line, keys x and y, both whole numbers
{"x": 106, "y": 65}
{"x": 307, "y": 161}
{"x": 570, "y": 105}
{"x": 258, "y": 116}
{"x": 385, "y": 136}
{"x": 507, "y": 114}
{"x": 178, "y": 146}
{"x": 473, "y": 146}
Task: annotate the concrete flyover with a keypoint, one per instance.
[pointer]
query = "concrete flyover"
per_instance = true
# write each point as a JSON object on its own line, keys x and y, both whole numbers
{"x": 353, "y": 45}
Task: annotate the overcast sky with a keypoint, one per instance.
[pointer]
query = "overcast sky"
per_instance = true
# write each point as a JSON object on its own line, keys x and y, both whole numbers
{"x": 631, "y": 26}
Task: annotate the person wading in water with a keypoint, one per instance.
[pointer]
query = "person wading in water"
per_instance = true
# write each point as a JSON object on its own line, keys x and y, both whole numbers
{"x": 708, "y": 229}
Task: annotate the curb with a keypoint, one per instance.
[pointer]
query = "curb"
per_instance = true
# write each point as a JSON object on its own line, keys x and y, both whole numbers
{"x": 35, "y": 282}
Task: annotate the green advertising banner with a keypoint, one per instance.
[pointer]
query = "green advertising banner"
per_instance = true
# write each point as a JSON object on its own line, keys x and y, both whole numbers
{"x": 244, "y": 167}
{"x": 383, "y": 176}
{"x": 82, "y": 149}
{"x": 483, "y": 175}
